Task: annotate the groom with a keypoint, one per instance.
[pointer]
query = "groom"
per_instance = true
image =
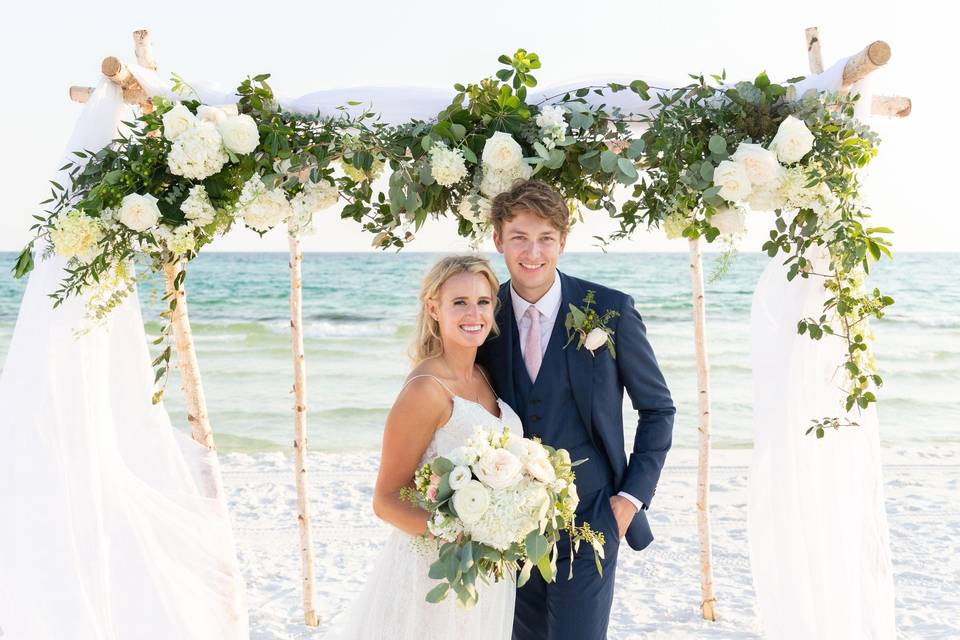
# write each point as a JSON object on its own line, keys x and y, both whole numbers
{"x": 572, "y": 398}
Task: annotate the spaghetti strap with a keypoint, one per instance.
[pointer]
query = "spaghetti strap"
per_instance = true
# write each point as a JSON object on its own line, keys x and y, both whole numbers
{"x": 487, "y": 380}
{"x": 427, "y": 375}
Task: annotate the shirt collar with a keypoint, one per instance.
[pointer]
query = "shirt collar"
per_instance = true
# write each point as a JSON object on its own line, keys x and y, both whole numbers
{"x": 548, "y": 305}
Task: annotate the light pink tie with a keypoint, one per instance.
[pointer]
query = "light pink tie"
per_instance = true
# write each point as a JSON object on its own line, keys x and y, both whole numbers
{"x": 531, "y": 349}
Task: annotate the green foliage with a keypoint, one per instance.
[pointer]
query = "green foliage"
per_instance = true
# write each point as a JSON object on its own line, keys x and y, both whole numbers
{"x": 670, "y": 167}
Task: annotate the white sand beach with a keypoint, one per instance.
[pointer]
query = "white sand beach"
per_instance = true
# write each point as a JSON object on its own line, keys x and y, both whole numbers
{"x": 657, "y": 589}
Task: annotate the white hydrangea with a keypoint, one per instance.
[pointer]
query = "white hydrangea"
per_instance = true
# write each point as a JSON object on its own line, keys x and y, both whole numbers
{"x": 502, "y": 152}
{"x": 447, "y": 166}
{"x": 240, "y": 134}
{"x": 766, "y": 198}
{"x": 315, "y": 196}
{"x": 177, "y": 121}
{"x": 512, "y": 513}
{"x": 182, "y": 240}
{"x": 497, "y": 181}
{"x": 139, "y": 212}
{"x": 75, "y": 235}
{"x": 263, "y": 208}
{"x": 729, "y": 220}
{"x": 198, "y": 152}
{"x": 674, "y": 224}
{"x": 552, "y": 125}
{"x": 475, "y": 208}
{"x": 197, "y": 207}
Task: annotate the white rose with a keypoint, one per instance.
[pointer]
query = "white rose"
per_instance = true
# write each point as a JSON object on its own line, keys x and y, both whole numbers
{"x": 595, "y": 339}
{"x": 471, "y": 501}
{"x": 475, "y": 208}
{"x": 240, "y": 134}
{"x": 761, "y": 164}
{"x": 728, "y": 220}
{"x": 211, "y": 114}
{"x": 139, "y": 212}
{"x": 459, "y": 477}
{"x": 176, "y": 121}
{"x": 498, "y": 468}
{"x": 733, "y": 181}
{"x": 502, "y": 152}
{"x": 793, "y": 140}
{"x": 525, "y": 449}
{"x": 542, "y": 470}
{"x": 229, "y": 109}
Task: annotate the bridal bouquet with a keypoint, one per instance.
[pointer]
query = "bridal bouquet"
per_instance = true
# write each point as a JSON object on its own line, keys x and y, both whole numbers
{"x": 498, "y": 503}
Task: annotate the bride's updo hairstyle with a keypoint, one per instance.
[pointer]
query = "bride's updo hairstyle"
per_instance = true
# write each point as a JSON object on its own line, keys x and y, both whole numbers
{"x": 427, "y": 343}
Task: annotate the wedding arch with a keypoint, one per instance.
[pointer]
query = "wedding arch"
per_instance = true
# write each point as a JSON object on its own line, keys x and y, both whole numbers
{"x": 197, "y": 161}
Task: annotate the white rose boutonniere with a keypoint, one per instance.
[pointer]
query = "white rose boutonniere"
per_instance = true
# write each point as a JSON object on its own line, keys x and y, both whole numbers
{"x": 590, "y": 327}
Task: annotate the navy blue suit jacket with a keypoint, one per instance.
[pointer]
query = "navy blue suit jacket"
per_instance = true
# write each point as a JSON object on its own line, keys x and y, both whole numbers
{"x": 598, "y": 382}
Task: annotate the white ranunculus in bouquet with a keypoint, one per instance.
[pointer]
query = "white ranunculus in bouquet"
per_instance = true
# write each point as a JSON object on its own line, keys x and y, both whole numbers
{"x": 498, "y": 504}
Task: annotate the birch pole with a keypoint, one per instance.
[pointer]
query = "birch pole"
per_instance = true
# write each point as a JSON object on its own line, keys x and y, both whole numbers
{"x": 300, "y": 430}
{"x": 707, "y": 598}
{"x": 187, "y": 357}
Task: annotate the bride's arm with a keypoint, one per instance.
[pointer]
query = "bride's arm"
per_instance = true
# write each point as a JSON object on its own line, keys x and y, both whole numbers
{"x": 420, "y": 409}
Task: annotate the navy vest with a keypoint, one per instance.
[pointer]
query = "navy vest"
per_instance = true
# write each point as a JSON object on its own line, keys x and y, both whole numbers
{"x": 549, "y": 412}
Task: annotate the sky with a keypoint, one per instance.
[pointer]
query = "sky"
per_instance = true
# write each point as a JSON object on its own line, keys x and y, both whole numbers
{"x": 308, "y": 46}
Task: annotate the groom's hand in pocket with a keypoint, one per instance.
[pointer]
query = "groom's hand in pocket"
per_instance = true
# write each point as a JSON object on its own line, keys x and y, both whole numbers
{"x": 623, "y": 512}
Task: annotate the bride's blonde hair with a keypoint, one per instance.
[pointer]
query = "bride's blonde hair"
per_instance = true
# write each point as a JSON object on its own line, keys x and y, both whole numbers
{"x": 427, "y": 342}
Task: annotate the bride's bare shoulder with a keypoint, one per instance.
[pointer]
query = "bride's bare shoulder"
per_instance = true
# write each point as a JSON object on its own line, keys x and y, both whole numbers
{"x": 424, "y": 389}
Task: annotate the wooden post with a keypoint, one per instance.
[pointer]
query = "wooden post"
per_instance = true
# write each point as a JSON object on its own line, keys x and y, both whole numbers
{"x": 707, "y": 597}
{"x": 300, "y": 431}
{"x": 187, "y": 360}
{"x": 813, "y": 50}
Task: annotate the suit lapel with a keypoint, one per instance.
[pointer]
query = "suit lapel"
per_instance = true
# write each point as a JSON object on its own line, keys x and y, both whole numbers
{"x": 579, "y": 362}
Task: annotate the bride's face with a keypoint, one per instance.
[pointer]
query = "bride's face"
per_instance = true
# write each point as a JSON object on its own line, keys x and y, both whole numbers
{"x": 464, "y": 310}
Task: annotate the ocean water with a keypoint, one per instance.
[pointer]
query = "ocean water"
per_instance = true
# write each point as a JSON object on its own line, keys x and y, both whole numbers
{"x": 359, "y": 311}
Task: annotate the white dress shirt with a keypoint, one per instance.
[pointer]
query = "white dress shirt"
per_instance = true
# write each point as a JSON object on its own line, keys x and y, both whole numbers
{"x": 549, "y": 307}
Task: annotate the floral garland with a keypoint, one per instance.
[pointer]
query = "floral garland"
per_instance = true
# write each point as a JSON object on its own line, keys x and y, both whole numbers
{"x": 799, "y": 158}
{"x": 186, "y": 173}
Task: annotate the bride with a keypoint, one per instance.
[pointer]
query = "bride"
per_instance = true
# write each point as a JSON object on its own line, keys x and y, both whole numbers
{"x": 445, "y": 396}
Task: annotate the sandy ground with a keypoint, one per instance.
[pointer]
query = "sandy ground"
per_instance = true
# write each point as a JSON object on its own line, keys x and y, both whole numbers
{"x": 657, "y": 589}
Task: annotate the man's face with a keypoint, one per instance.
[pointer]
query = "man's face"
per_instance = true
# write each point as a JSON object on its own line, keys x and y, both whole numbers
{"x": 531, "y": 247}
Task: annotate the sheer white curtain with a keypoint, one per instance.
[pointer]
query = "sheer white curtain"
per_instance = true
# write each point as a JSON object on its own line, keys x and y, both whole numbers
{"x": 817, "y": 526}
{"x": 107, "y": 531}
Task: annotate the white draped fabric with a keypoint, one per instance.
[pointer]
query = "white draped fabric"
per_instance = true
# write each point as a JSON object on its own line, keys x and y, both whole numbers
{"x": 817, "y": 525}
{"x": 108, "y": 530}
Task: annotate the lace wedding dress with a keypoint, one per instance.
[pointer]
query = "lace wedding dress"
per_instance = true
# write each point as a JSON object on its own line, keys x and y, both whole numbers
{"x": 392, "y": 605}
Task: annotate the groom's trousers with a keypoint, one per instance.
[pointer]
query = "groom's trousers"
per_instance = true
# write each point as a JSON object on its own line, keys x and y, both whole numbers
{"x": 578, "y": 608}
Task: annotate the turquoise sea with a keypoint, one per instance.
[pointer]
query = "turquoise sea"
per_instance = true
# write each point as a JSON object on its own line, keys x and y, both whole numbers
{"x": 359, "y": 311}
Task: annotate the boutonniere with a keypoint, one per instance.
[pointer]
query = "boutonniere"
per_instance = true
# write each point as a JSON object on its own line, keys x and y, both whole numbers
{"x": 590, "y": 327}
